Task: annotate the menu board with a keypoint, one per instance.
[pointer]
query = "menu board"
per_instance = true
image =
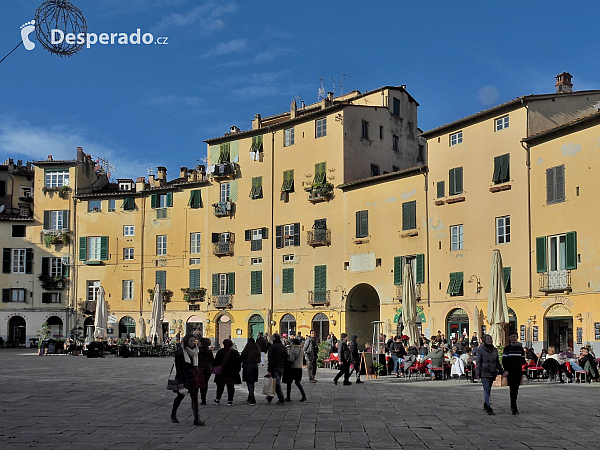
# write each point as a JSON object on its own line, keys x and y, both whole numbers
{"x": 535, "y": 333}
{"x": 597, "y": 331}
{"x": 579, "y": 335}
{"x": 522, "y": 333}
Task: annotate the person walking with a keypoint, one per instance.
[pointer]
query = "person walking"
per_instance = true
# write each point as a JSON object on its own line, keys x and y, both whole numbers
{"x": 277, "y": 356}
{"x": 311, "y": 352}
{"x": 188, "y": 377}
{"x": 250, "y": 359}
{"x": 293, "y": 371}
{"x": 228, "y": 359}
{"x": 398, "y": 353}
{"x": 206, "y": 362}
{"x": 345, "y": 359}
{"x": 513, "y": 359}
{"x": 488, "y": 367}
{"x": 355, "y": 355}
{"x": 261, "y": 341}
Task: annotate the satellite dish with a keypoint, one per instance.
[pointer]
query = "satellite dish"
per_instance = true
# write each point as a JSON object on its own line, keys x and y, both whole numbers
{"x": 1, "y": 209}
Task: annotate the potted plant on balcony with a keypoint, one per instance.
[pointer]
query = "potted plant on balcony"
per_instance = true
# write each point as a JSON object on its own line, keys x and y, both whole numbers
{"x": 62, "y": 192}
{"x": 166, "y": 295}
{"x": 323, "y": 190}
{"x": 194, "y": 295}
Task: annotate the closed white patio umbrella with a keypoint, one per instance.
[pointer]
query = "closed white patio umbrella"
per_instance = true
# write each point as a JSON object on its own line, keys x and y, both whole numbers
{"x": 101, "y": 315}
{"x": 142, "y": 329}
{"x": 409, "y": 306}
{"x": 497, "y": 306}
{"x": 157, "y": 315}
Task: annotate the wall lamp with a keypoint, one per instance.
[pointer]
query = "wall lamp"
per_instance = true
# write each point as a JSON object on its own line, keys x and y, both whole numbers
{"x": 479, "y": 286}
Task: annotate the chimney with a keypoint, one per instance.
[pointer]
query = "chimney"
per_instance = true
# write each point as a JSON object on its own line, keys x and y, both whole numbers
{"x": 192, "y": 175}
{"x": 151, "y": 180}
{"x": 233, "y": 129}
{"x": 183, "y": 172}
{"x": 293, "y": 110}
{"x": 161, "y": 173}
{"x": 563, "y": 82}
{"x": 257, "y": 122}
{"x": 19, "y": 162}
{"x": 80, "y": 155}
{"x": 140, "y": 184}
{"x": 49, "y": 158}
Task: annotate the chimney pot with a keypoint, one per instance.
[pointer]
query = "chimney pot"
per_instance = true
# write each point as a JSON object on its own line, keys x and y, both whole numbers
{"x": 293, "y": 110}
{"x": 49, "y": 157}
{"x": 257, "y": 122}
{"x": 234, "y": 129}
{"x": 563, "y": 82}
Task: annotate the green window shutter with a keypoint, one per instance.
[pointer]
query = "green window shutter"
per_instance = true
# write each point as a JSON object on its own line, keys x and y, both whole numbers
{"x": 46, "y": 266}
{"x": 507, "y": 281}
{"x": 458, "y": 173}
{"x": 397, "y": 270}
{"x": 409, "y": 215}
{"x": 257, "y": 144}
{"x": 224, "y": 152}
{"x": 153, "y": 201}
{"x": 256, "y": 282}
{"x": 559, "y": 179}
{"x": 46, "y": 297}
{"x": 288, "y": 181}
{"x": 497, "y": 169}
{"x": 215, "y": 284}
{"x": 247, "y": 235}
{"x": 441, "y": 189}
{"x": 288, "y": 281}
{"x": 65, "y": 217}
{"x": 46, "y": 220}
{"x": 82, "y": 249}
{"x": 458, "y": 282}
{"x": 104, "y": 248}
{"x": 451, "y": 182}
{"x": 5, "y": 295}
{"x": 297, "y": 234}
{"x": 540, "y": 254}
{"x": 265, "y": 233}
{"x": 161, "y": 279}
{"x": 65, "y": 270}
{"x": 572, "y": 250}
{"x": 505, "y": 168}
{"x": 320, "y": 171}
{"x": 194, "y": 279}
{"x": 231, "y": 283}
{"x": 169, "y": 199}
{"x": 358, "y": 224}
{"x": 364, "y": 223}
{"x": 279, "y": 236}
{"x": 451, "y": 283}
{"x": 320, "y": 278}
{"x": 28, "y": 260}
{"x": 550, "y": 188}
{"x": 6, "y": 260}
{"x": 195, "y": 199}
{"x": 420, "y": 278}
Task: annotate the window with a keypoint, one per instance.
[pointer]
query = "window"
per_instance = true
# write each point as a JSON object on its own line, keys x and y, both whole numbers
{"x": 18, "y": 260}
{"x": 287, "y": 284}
{"x": 224, "y": 153}
{"x": 95, "y": 245}
{"x": 92, "y": 290}
{"x": 128, "y": 253}
{"x": 288, "y": 137}
{"x": 125, "y": 185}
{"x": 421, "y": 154}
{"x": 456, "y": 138}
{"x": 417, "y": 263}
{"x": 194, "y": 261}
{"x": 441, "y": 189}
{"x": 380, "y": 131}
{"x": 94, "y": 205}
{"x": 455, "y": 286}
{"x": 255, "y": 261}
{"x": 13, "y": 295}
{"x": 321, "y": 127}
{"x": 375, "y": 170}
{"x": 161, "y": 200}
{"x": 93, "y": 248}
{"x": 503, "y": 230}
{"x": 161, "y": 245}
{"x": 129, "y": 230}
{"x": 557, "y": 252}
{"x": 56, "y": 178}
{"x": 194, "y": 243}
{"x": 56, "y": 220}
{"x": 320, "y": 284}
{"x": 257, "y": 191}
{"x": 195, "y": 200}
{"x": 255, "y": 237}
{"x": 225, "y": 192}
{"x": 362, "y": 224}
{"x": 456, "y": 237}
{"x": 287, "y": 235}
{"x": 409, "y": 215}
{"x": 396, "y": 107}
{"x": 506, "y": 273}
{"x": 320, "y": 174}
{"x": 160, "y": 278}
{"x": 256, "y": 282}
{"x": 112, "y": 205}
{"x": 55, "y": 266}
{"x": 456, "y": 181}
{"x": 288, "y": 181}
{"x": 18, "y": 230}
{"x": 223, "y": 283}
{"x": 365, "y": 130}
{"x": 288, "y": 258}
{"x": 501, "y": 169}
{"x": 501, "y": 123}
{"x": 555, "y": 184}
{"x": 194, "y": 279}
{"x": 395, "y": 143}
{"x": 26, "y": 192}
{"x": 51, "y": 297}
{"x": 128, "y": 204}
{"x": 127, "y": 289}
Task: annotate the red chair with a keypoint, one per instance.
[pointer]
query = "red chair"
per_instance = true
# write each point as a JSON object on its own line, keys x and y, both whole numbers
{"x": 534, "y": 372}
{"x": 333, "y": 360}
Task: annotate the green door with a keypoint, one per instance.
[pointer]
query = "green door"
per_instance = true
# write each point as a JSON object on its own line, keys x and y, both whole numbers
{"x": 256, "y": 325}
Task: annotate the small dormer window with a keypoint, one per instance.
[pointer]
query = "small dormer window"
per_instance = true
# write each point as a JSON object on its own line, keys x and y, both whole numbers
{"x": 125, "y": 186}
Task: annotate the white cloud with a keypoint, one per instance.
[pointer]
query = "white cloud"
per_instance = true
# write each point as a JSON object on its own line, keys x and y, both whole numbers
{"x": 270, "y": 55}
{"x": 206, "y": 16}
{"x": 176, "y": 99}
{"x": 226, "y": 48}
{"x": 488, "y": 95}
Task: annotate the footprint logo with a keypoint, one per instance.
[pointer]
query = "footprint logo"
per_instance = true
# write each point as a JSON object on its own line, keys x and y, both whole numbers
{"x": 26, "y": 30}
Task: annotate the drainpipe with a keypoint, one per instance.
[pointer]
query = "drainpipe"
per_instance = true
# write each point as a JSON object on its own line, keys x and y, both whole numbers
{"x": 528, "y": 164}
{"x": 142, "y": 290}
{"x": 425, "y": 172}
{"x": 270, "y": 316}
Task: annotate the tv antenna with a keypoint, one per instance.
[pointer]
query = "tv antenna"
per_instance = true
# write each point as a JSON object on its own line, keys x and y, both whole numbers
{"x": 333, "y": 84}
{"x": 299, "y": 101}
{"x": 342, "y": 83}
{"x": 149, "y": 171}
{"x": 321, "y": 91}
{"x": 103, "y": 165}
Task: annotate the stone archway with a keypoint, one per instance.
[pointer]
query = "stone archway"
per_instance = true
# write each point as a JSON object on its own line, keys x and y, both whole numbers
{"x": 17, "y": 330}
{"x": 362, "y": 308}
{"x": 56, "y": 326}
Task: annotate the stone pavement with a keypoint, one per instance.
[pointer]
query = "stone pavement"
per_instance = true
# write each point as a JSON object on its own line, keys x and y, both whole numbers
{"x": 64, "y": 402}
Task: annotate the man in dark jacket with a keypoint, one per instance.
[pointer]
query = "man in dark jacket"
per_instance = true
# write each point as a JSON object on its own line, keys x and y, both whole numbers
{"x": 277, "y": 356}
{"x": 355, "y": 355}
{"x": 311, "y": 352}
{"x": 513, "y": 359}
{"x": 345, "y": 359}
{"x": 398, "y": 353}
{"x": 262, "y": 345}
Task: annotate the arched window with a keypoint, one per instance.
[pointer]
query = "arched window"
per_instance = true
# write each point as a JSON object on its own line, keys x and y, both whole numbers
{"x": 256, "y": 324}
{"x": 287, "y": 324}
{"x": 127, "y": 327}
{"x": 457, "y": 324}
{"x": 320, "y": 324}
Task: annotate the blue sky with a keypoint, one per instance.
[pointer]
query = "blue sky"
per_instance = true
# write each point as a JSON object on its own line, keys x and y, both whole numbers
{"x": 142, "y": 106}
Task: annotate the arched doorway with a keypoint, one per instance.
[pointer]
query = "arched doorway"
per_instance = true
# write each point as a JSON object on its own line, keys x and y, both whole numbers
{"x": 256, "y": 324}
{"x": 17, "y": 329}
{"x": 320, "y": 324}
{"x": 287, "y": 324}
{"x": 512, "y": 321}
{"x": 56, "y": 326}
{"x": 194, "y": 325}
{"x": 558, "y": 324}
{"x": 127, "y": 327}
{"x": 223, "y": 329}
{"x": 457, "y": 324}
{"x": 362, "y": 308}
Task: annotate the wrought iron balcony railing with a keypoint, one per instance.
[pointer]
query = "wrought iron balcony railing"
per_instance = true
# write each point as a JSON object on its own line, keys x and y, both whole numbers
{"x": 555, "y": 281}
{"x": 398, "y": 297}
{"x": 319, "y": 237}
{"x": 222, "y": 301}
{"x": 224, "y": 170}
{"x": 223, "y": 248}
{"x": 318, "y": 298}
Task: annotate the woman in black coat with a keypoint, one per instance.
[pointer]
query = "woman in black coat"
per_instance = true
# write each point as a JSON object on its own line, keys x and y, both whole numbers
{"x": 230, "y": 362}
{"x": 188, "y": 376}
{"x": 207, "y": 360}
{"x": 251, "y": 356}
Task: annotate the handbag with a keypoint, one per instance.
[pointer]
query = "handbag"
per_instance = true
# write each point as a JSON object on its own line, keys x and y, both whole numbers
{"x": 172, "y": 384}
{"x": 269, "y": 386}
{"x": 218, "y": 370}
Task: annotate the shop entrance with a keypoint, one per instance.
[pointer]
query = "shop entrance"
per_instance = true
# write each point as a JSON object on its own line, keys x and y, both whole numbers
{"x": 457, "y": 324}
{"x": 223, "y": 330}
{"x": 256, "y": 324}
{"x": 558, "y": 326}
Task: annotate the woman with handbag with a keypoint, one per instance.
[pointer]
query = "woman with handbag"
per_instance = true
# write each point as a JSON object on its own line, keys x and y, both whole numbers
{"x": 488, "y": 367}
{"x": 227, "y": 371}
{"x": 188, "y": 376}
{"x": 251, "y": 357}
{"x": 292, "y": 371}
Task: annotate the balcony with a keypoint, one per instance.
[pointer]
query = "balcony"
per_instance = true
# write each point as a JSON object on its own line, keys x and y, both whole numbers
{"x": 52, "y": 283}
{"x": 88, "y": 307}
{"x": 317, "y": 238}
{"x": 222, "y": 248}
{"x": 222, "y": 301}
{"x": 318, "y": 298}
{"x": 398, "y": 296}
{"x": 223, "y": 209}
{"x": 555, "y": 281}
{"x": 320, "y": 193}
{"x": 224, "y": 170}
{"x": 54, "y": 237}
